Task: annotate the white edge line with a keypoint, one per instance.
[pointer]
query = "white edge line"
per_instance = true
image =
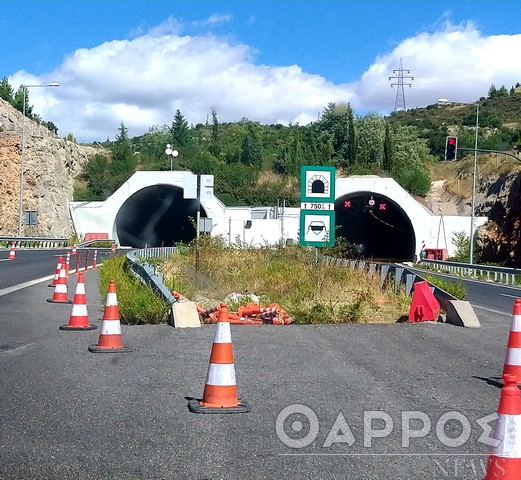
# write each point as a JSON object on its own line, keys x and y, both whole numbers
{"x": 30, "y": 283}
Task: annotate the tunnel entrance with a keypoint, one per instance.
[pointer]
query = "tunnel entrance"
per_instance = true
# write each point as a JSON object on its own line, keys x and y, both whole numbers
{"x": 376, "y": 227}
{"x": 157, "y": 216}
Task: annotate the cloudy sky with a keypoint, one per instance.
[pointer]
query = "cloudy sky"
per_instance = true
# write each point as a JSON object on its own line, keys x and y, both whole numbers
{"x": 268, "y": 60}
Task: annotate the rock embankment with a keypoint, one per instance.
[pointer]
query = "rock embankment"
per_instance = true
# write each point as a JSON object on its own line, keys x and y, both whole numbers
{"x": 50, "y": 166}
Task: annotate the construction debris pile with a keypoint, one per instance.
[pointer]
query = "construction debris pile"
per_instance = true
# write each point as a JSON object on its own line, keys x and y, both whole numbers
{"x": 249, "y": 314}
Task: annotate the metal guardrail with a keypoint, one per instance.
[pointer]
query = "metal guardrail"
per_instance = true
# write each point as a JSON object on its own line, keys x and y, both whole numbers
{"x": 36, "y": 242}
{"x": 146, "y": 273}
{"x": 503, "y": 275}
{"x": 399, "y": 274}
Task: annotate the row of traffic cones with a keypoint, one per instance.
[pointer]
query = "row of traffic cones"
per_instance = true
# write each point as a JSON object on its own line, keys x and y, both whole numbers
{"x": 504, "y": 460}
{"x": 110, "y": 338}
{"x": 220, "y": 391}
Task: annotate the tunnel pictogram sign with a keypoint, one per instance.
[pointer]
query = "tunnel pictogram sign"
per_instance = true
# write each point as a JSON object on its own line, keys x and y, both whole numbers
{"x": 317, "y": 184}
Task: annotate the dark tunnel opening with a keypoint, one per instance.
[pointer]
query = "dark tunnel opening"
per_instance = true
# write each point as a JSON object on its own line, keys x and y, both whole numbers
{"x": 375, "y": 226}
{"x": 157, "y": 216}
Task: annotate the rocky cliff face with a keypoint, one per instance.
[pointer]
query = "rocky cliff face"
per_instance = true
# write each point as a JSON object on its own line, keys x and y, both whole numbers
{"x": 50, "y": 166}
{"x": 499, "y": 241}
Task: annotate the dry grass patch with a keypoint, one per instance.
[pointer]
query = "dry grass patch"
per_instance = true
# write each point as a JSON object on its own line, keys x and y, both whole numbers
{"x": 288, "y": 276}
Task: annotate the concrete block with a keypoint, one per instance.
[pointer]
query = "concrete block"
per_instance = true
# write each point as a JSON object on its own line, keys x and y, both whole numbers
{"x": 185, "y": 315}
{"x": 462, "y": 314}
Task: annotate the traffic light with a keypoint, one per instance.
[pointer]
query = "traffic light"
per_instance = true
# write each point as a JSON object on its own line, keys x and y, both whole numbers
{"x": 451, "y": 148}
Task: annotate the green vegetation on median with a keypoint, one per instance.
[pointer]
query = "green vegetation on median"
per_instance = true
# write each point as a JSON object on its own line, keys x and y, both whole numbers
{"x": 138, "y": 305}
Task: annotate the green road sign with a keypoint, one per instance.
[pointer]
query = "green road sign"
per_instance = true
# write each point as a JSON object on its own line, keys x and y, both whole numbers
{"x": 317, "y": 184}
{"x": 317, "y": 228}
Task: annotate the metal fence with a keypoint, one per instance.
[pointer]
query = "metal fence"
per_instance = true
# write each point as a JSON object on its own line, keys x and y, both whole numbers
{"x": 502, "y": 275}
{"x": 36, "y": 242}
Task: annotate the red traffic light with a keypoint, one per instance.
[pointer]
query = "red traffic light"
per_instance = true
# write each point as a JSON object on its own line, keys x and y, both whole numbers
{"x": 382, "y": 207}
{"x": 451, "y": 148}
{"x": 347, "y": 204}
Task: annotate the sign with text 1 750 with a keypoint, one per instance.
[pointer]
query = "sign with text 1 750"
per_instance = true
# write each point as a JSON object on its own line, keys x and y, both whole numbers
{"x": 317, "y": 206}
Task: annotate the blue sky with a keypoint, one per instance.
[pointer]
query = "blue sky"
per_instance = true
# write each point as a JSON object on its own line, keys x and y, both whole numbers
{"x": 271, "y": 61}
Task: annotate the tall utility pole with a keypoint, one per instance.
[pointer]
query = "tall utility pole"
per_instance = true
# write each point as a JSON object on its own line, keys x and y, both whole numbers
{"x": 399, "y": 103}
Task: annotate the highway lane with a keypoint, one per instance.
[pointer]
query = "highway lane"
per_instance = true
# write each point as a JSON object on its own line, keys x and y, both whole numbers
{"x": 32, "y": 264}
{"x": 67, "y": 413}
{"x": 489, "y": 296}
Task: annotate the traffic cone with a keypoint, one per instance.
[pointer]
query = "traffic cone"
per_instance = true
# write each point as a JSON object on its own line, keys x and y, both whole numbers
{"x": 67, "y": 264}
{"x": 110, "y": 338}
{"x": 60, "y": 291}
{"x": 12, "y": 253}
{"x": 73, "y": 249}
{"x": 57, "y": 273}
{"x": 220, "y": 389}
{"x": 513, "y": 356}
{"x": 79, "y": 319}
{"x": 504, "y": 461}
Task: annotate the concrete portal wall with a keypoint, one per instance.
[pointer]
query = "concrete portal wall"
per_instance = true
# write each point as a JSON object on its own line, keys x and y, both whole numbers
{"x": 428, "y": 227}
{"x": 278, "y": 225}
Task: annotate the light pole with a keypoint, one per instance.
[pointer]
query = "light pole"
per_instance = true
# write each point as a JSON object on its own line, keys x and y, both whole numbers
{"x": 444, "y": 101}
{"x": 474, "y": 187}
{"x": 171, "y": 153}
{"x": 20, "y": 205}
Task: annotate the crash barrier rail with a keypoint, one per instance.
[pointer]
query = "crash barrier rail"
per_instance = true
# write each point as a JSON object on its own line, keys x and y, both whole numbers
{"x": 399, "y": 273}
{"x": 90, "y": 242}
{"x": 35, "y": 242}
{"x": 146, "y": 273}
{"x": 502, "y": 275}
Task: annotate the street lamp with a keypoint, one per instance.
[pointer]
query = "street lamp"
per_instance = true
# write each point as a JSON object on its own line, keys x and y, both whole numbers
{"x": 444, "y": 101}
{"x": 20, "y": 205}
{"x": 171, "y": 153}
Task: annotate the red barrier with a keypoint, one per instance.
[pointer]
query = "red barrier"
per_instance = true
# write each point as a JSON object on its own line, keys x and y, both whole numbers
{"x": 424, "y": 306}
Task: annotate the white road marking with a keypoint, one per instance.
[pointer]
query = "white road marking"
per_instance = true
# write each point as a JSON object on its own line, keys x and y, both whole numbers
{"x": 30, "y": 283}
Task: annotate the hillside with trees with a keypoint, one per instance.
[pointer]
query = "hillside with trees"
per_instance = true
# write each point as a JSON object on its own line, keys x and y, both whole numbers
{"x": 256, "y": 164}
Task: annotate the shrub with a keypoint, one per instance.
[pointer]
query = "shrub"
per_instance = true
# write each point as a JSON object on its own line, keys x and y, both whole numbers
{"x": 455, "y": 289}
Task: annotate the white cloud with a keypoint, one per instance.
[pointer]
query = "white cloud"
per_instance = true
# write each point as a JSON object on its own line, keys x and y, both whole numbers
{"x": 457, "y": 63}
{"x": 142, "y": 81}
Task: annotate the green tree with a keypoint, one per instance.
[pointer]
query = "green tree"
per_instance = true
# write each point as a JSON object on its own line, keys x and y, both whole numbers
{"x": 96, "y": 173}
{"x": 251, "y": 148}
{"x": 6, "y": 90}
{"x": 370, "y": 133}
{"x": 215, "y": 140}
{"x": 123, "y": 163}
{"x": 388, "y": 150}
{"x": 179, "y": 130}
{"x": 18, "y": 101}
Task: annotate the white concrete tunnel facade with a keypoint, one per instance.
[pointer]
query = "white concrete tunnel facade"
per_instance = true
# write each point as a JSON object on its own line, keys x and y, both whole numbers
{"x": 259, "y": 226}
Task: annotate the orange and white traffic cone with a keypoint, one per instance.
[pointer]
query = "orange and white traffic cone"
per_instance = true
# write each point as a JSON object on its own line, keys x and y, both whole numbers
{"x": 60, "y": 291}
{"x": 220, "y": 389}
{"x": 95, "y": 261}
{"x": 73, "y": 249}
{"x": 12, "y": 253}
{"x": 67, "y": 263}
{"x": 57, "y": 273}
{"x": 513, "y": 356}
{"x": 79, "y": 319}
{"x": 110, "y": 338}
{"x": 504, "y": 461}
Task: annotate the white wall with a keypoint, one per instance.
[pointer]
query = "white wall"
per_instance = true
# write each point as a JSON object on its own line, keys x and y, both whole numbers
{"x": 230, "y": 222}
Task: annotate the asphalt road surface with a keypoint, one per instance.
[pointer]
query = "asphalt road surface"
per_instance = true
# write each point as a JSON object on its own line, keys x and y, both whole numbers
{"x": 67, "y": 413}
